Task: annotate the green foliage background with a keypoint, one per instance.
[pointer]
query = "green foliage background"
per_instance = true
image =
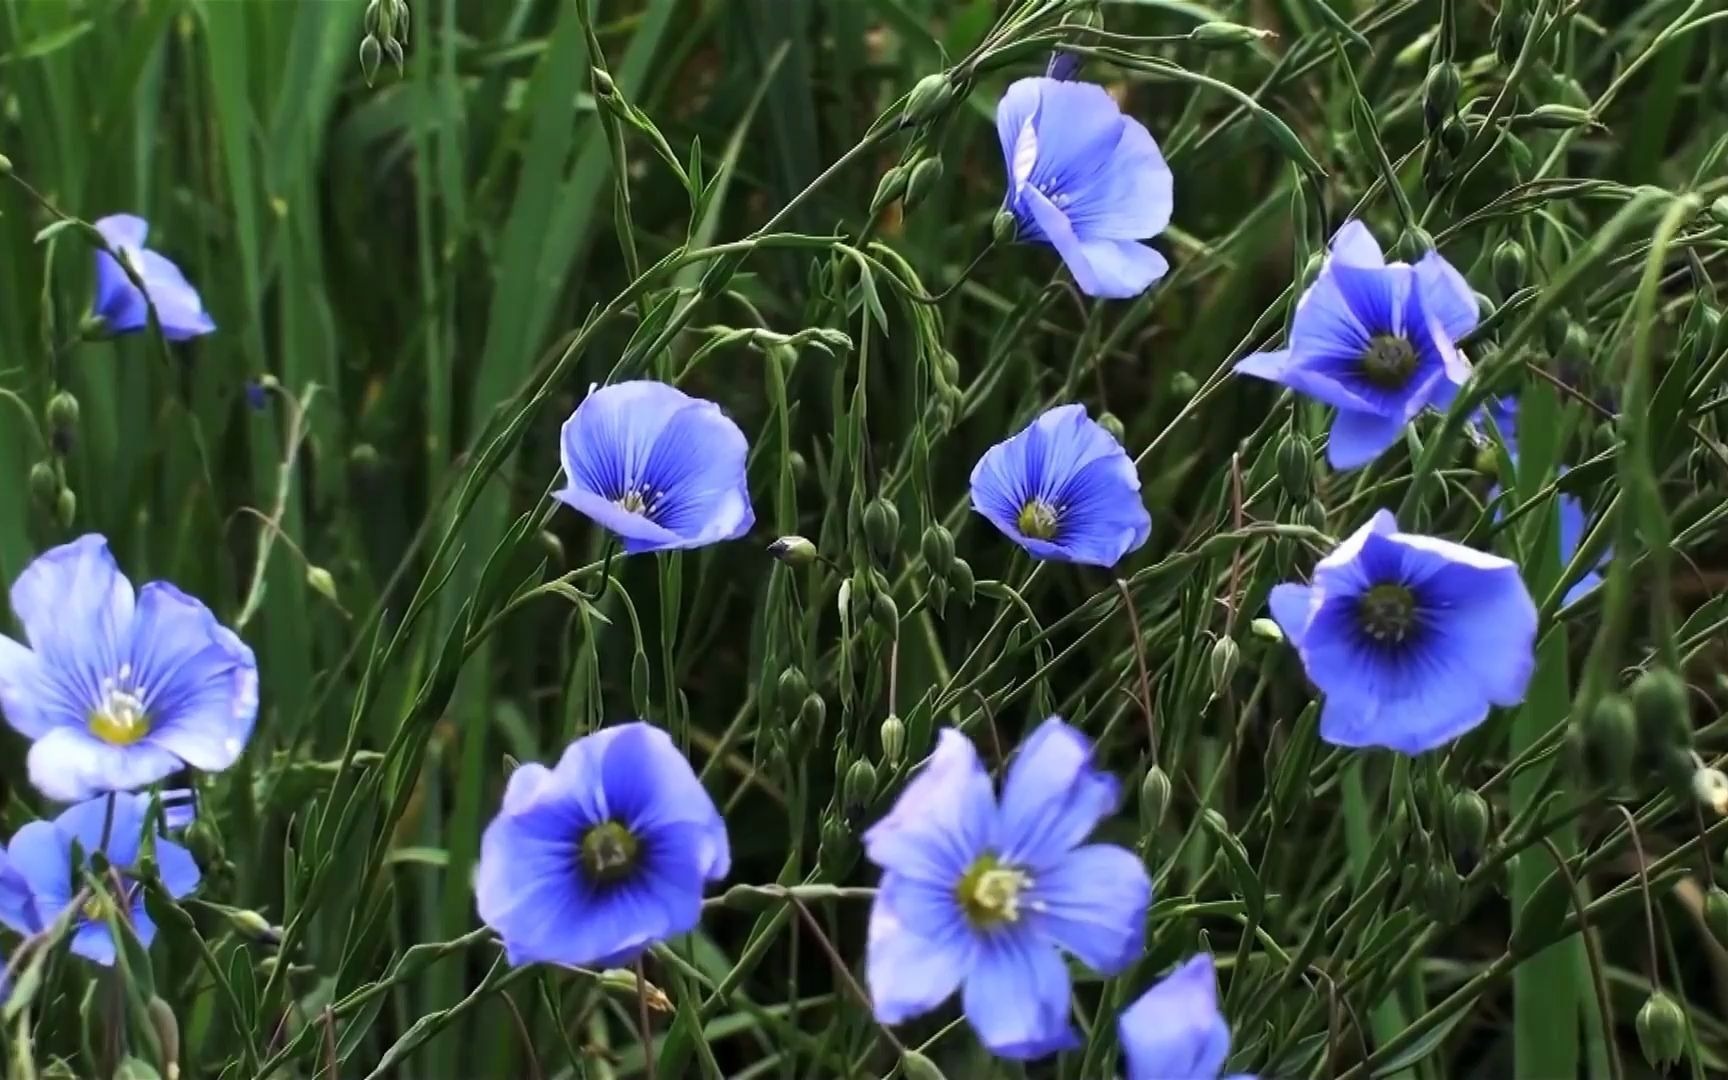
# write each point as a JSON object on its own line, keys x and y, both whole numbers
{"x": 428, "y": 272}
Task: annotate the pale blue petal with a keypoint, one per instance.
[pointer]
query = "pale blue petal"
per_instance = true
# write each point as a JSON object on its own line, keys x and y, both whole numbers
{"x": 118, "y": 302}
{"x": 17, "y": 906}
{"x": 1130, "y": 198}
{"x": 1016, "y": 997}
{"x": 1093, "y": 903}
{"x": 1265, "y": 365}
{"x": 1360, "y": 437}
{"x": 1447, "y": 296}
{"x": 198, "y": 681}
{"x": 120, "y": 819}
{"x": 1354, "y": 245}
{"x": 76, "y": 608}
{"x": 697, "y": 469}
{"x": 41, "y": 854}
{"x": 919, "y": 948}
{"x": 123, "y": 230}
{"x": 638, "y": 533}
{"x": 1377, "y": 297}
{"x": 526, "y": 881}
{"x": 177, "y": 867}
{"x": 1174, "y": 1031}
{"x": 1052, "y": 799}
{"x": 30, "y": 700}
{"x": 94, "y": 942}
{"x": 68, "y": 764}
{"x": 942, "y": 821}
{"x": 1102, "y": 268}
{"x": 179, "y": 308}
{"x": 651, "y": 787}
{"x": 606, "y": 443}
{"x": 1079, "y": 126}
{"x": 1014, "y": 128}
{"x": 1292, "y": 609}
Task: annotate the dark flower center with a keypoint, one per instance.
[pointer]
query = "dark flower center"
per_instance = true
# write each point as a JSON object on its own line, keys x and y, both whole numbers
{"x": 1389, "y": 361}
{"x": 989, "y": 892}
{"x": 1038, "y": 520}
{"x": 1387, "y": 612}
{"x": 609, "y": 852}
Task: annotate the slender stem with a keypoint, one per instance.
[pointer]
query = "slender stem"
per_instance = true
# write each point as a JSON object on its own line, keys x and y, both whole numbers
{"x": 646, "y": 1029}
{"x": 1644, "y": 887}
{"x": 1593, "y": 953}
{"x": 1140, "y": 665}
{"x": 841, "y": 969}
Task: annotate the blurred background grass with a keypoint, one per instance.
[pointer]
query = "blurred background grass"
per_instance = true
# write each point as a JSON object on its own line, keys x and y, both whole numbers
{"x": 420, "y": 249}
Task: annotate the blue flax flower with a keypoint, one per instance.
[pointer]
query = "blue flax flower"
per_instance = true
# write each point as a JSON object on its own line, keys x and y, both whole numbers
{"x": 596, "y": 859}
{"x": 1411, "y": 638}
{"x": 1064, "y": 489}
{"x": 1175, "y": 1031}
{"x": 1086, "y": 180}
{"x": 661, "y": 469}
{"x": 40, "y": 880}
{"x": 1574, "y": 523}
{"x": 985, "y": 893}
{"x": 119, "y": 303}
{"x": 1377, "y": 340}
{"x": 119, "y": 689}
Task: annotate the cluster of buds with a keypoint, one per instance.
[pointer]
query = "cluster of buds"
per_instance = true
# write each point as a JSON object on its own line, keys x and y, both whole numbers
{"x": 386, "y": 33}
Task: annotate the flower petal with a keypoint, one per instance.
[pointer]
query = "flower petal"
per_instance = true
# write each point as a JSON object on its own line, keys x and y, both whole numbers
{"x": 1100, "y": 269}
{"x": 526, "y": 881}
{"x": 118, "y": 303}
{"x": 1079, "y": 126}
{"x": 1101, "y": 517}
{"x": 1360, "y": 437}
{"x": 1292, "y": 609}
{"x": 118, "y": 820}
{"x": 919, "y": 948}
{"x": 697, "y": 470}
{"x": 198, "y": 680}
{"x": 123, "y": 230}
{"x": 1130, "y": 195}
{"x": 942, "y": 821}
{"x": 94, "y": 942}
{"x": 650, "y": 787}
{"x": 177, "y": 867}
{"x": 1447, "y": 296}
{"x": 76, "y": 608}
{"x": 1016, "y": 997}
{"x": 30, "y": 702}
{"x": 1354, "y": 245}
{"x": 1052, "y": 799}
{"x": 1093, "y": 903}
{"x": 1265, "y": 365}
{"x": 41, "y": 855}
{"x": 68, "y": 764}
{"x": 179, "y": 308}
{"x": 1015, "y": 130}
{"x": 640, "y": 535}
{"x": 1174, "y": 1031}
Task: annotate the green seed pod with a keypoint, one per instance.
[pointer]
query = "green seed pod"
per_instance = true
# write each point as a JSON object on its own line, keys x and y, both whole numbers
{"x": 930, "y": 96}
{"x": 167, "y": 1028}
{"x": 892, "y": 734}
{"x": 1454, "y": 137}
{"x": 1295, "y": 466}
{"x": 322, "y": 583}
{"x": 1661, "y": 1031}
{"x": 1226, "y": 655}
{"x": 1716, "y": 914}
{"x": 937, "y": 546}
{"x": 1225, "y": 35}
{"x": 960, "y": 579}
{"x": 882, "y": 528}
{"x": 860, "y": 786}
{"x": 1267, "y": 629}
{"x": 640, "y": 678}
{"x": 915, "y": 1066}
{"x": 811, "y": 716}
{"x": 1575, "y": 347}
{"x": 371, "y": 55}
{"x": 5, "y": 165}
{"x": 791, "y": 690}
{"x": 838, "y": 850}
{"x": 63, "y": 412}
{"x": 886, "y": 614}
{"x": 1610, "y": 741}
{"x": 1183, "y": 386}
{"x": 1441, "y": 888}
{"x": 1413, "y": 243}
{"x": 1664, "y": 716}
{"x": 1112, "y": 424}
{"x": 66, "y": 508}
{"x": 1509, "y": 266}
{"x": 1154, "y": 799}
{"x": 44, "y": 484}
{"x": 1466, "y": 828}
{"x": 923, "y": 179}
{"x": 892, "y": 186}
{"x": 1314, "y": 515}
{"x": 1718, "y": 208}
{"x": 552, "y": 546}
{"x": 1440, "y": 94}
{"x": 793, "y": 551}
{"x": 1556, "y": 118}
{"x": 1004, "y": 227}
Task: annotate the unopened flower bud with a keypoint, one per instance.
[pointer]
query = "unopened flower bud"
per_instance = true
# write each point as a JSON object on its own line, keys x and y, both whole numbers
{"x": 961, "y": 581}
{"x": 915, "y": 1066}
{"x": 1556, "y": 118}
{"x": 371, "y": 55}
{"x": 882, "y": 528}
{"x": 921, "y": 181}
{"x": 1610, "y": 740}
{"x": 792, "y": 689}
{"x": 1267, "y": 629}
{"x": 44, "y": 484}
{"x": 1661, "y": 1030}
{"x": 1183, "y": 385}
{"x": 1226, "y": 655}
{"x": 931, "y": 95}
{"x": 837, "y": 850}
{"x": 1440, "y": 94}
{"x": 1003, "y": 227}
{"x": 254, "y": 926}
{"x": 793, "y": 551}
{"x": 891, "y": 187}
{"x": 892, "y": 734}
{"x": 167, "y": 1028}
{"x": 1509, "y": 266}
{"x": 860, "y": 786}
{"x": 937, "y": 546}
{"x": 603, "y": 84}
{"x": 1466, "y": 828}
{"x": 1154, "y": 799}
{"x": 6, "y": 166}
{"x": 1413, "y": 243}
{"x": 321, "y": 582}
{"x": 63, "y": 412}
{"x": 1441, "y": 888}
{"x": 552, "y": 546}
{"x": 393, "y": 50}
{"x": 1718, "y": 208}
{"x": 66, "y": 508}
{"x": 812, "y": 714}
{"x": 1225, "y": 35}
{"x": 886, "y": 614}
{"x": 1716, "y": 914}
{"x": 1664, "y": 717}
{"x": 1711, "y": 789}
{"x": 1112, "y": 425}
{"x": 1295, "y": 466}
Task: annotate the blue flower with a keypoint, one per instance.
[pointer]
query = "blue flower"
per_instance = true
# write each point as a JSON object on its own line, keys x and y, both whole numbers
{"x": 1574, "y": 523}
{"x": 661, "y": 469}
{"x": 984, "y": 894}
{"x": 1411, "y": 638}
{"x": 1175, "y": 1031}
{"x": 591, "y": 862}
{"x": 1377, "y": 340}
{"x": 1064, "y": 489}
{"x": 119, "y": 303}
{"x": 41, "y": 881}
{"x": 1087, "y": 180}
{"x": 1504, "y": 412}
{"x": 118, "y": 689}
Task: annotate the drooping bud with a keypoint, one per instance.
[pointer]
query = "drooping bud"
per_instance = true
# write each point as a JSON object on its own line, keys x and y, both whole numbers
{"x": 1226, "y": 655}
{"x": 921, "y": 181}
{"x": 1511, "y": 27}
{"x": 371, "y": 55}
{"x": 1440, "y": 94}
{"x": 63, "y": 413}
{"x": 1664, "y": 717}
{"x": 1466, "y": 828}
{"x": 892, "y": 734}
{"x": 1154, "y": 799}
{"x": 1509, "y": 266}
{"x": 6, "y": 166}
{"x": 1004, "y": 227}
{"x": 882, "y": 528}
{"x": 791, "y": 689}
{"x": 891, "y": 187}
{"x": 1661, "y": 1030}
{"x": 1267, "y": 629}
{"x": 1112, "y": 425}
{"x": 1610, "y": 740}
{"x": 1295, "y": 466}
{"x": 860, "y": 786}
{"x": 806, "y": 730}
{"x": 937, "y": 546}
{"x": 1226, "y": 35}
{"x": 915, "y": 1066}
{"x": 931, "y": 95}
{"x": 837, "y": 850}
{"x": 793, "y": 551}
{"x": 886, "y": 614}
{"x": 320, "y": 581}
{"x": 960, "y": 579}
{"x": 66, "y": 508}
{"x": 1413, "y": 243}
{"x": 1553, "y": 117}
{"x": 1716, "y": 914}
{"x": 1441, "y": 888}
{"x": 44, "y": 484}
{"x": 167, "y": 1028}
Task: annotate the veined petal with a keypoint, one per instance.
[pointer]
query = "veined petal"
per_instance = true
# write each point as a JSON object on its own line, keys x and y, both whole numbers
{"x": 1265, "y": 365}
{"x": 68, "y": 764}
{"x": 1079, "y": 126}
{"x": 1174, "y": 1031}
{"x": 1360, "y": 437}
{"x": 118, "y": 302}
{"x": 650, "y": 787}
{"x": 942, "y": 821}
{"x": 76, "y": 608}
{"x": 41, "y": 855}
{"x": 1293, "y": 609}
{"x": 26, "y": 699}
{"x": 696, "y": 469}
{"x": 179, "y": 308}
{"x": 919, "y": 948}
{"x": 640, "y": 535}
{"x": 1422, "y": 716}
{"x": 1016, "y": 997}
{"x": 1130, "y": 197}
{"x": 1378, "y": 297}
{"x": 525, "y": 880}
{"x": 119, "y": 821}
{"x": 1354, "y": 245}
{"x": 1100, "y": 517}
{"x": 123, "y": 230}
{"x": 197, "y": 679}
{"x": 1103, "y": 269}
{"x": 1052, "y": 799}
{"x": 1447, "y": 296}
{"x": 1093, "y": 903}
{"x": 177, "y": 867}
{"x": 94, "y": 942}
{"x": 606, "y": 443}
{"x": 1015, "y": 130}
